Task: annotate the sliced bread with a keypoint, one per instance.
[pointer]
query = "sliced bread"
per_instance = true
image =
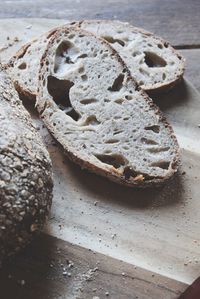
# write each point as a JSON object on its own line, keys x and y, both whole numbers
{"x": 154, "y": 64}
{"x": 93, "y": 107}
{"x": 152, "y": 61}
{"x": 23, "y": 67}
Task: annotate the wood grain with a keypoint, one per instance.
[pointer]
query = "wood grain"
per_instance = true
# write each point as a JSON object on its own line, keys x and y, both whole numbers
{"x": 177, "y": 21}
{"x": 52, "y": 269}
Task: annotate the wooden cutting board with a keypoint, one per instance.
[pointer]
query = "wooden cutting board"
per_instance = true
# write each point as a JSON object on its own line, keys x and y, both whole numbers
{"x": 157, "y": 230}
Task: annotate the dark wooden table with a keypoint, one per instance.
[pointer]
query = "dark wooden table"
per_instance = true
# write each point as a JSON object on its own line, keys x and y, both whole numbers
{"x": 52, "y": 268}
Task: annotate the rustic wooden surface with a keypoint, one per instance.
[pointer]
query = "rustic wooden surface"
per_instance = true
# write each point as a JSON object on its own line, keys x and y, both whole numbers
{"x": 176, "y": 20}
{"x": 157, "y": 231}
{"x": 52, "y": 269}
{"x": 192, "y": 66}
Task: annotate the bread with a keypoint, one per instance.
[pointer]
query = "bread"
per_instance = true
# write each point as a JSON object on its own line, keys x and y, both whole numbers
{"x": 23, "y": 67}
{"x": 153, "y": 62}
{"x": 25, "y": 174}
{"x": 93, "y": 107}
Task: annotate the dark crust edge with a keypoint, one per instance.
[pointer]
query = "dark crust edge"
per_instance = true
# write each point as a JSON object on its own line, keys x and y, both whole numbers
{"x": 112, "y": 175}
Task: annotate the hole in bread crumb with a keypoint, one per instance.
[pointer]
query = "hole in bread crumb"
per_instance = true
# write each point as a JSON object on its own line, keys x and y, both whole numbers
{"x": 154, "y": 128}
{"x": 107, "y": 152}
{"x": 141, "y": 82}
{"x": 88, "y": 101}
{"x": 117, "y": 84}
{"x": 91, "y": 120}
{"x": 163, "y": 76}
{"x": 136, "y": 53}
{"x": 119, "y": 101}
{"x": 81, "y": 69}
{"x": 148, "y": 141}
{"x": 128, "y": 97}
{"x": 161, "y": 164}
{"x": 153, "y": 60}
{"x": 112, "y": 40}
{"x": 160, "y": 46}
{"x": 126, "y": 148}
{"x": 115, "y": 160}
{"x": 83, "y": 56}
{"x": 84, "y": 77}
{"x": 59, "y": 90}
{"x": 112, "y": 141}
{"x": 117, "y": 132}
{"x": 105, "y": 55}
{"x": 70, "y": 36}
{"x": 128, "y": 172}
{"x": 66, "y": 52}
{"x": 22, "y": 66}
{"x": 166, "y": 45}
{"x": 155, "y": 150}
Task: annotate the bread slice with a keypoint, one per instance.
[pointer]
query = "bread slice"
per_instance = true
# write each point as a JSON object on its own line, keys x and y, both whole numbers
{"x": 93, "y": 107}
{"x": 154, "y": 64}
{"x": 23, "y": 67}
{"x": 25, "y": 174}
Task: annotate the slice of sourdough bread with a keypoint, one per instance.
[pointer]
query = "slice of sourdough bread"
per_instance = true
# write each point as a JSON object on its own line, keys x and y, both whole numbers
{"x": 152, "y": 61}
{"x": 93, "y": 107}
{"x": 23, "y": 67}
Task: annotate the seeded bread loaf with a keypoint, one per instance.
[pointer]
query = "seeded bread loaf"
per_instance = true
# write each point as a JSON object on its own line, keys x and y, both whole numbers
{"x": 93, "y": 107}
{"x": 152, "y": 61}
{"x": 25, "y": 174}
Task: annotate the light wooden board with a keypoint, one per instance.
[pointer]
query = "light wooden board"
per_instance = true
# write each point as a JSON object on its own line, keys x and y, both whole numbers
{"x": 157, "y": 229}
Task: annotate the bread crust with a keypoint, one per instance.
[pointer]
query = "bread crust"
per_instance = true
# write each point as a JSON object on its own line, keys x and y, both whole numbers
{"x": 114, "y": 175}
{"x": 25, "y": 176}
